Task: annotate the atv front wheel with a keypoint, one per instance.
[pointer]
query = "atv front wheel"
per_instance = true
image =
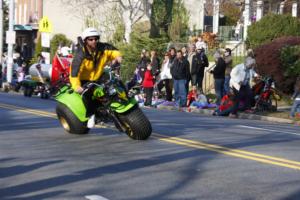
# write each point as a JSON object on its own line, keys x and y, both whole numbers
{"x": 69, "y": 121}
{"x": 136, "y": 123}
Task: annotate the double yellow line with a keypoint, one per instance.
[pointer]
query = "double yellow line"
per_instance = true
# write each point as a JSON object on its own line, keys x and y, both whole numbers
{"x": 27, "y": 110}
{"x": 190, "y": 143}
{"x": 231, "y": 152}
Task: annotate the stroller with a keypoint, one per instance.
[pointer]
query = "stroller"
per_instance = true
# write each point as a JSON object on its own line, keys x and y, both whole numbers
{"x": 265, "y": 95}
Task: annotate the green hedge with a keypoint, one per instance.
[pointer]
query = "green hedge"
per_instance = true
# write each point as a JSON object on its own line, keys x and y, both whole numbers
{"x": 290, "y": 58}
{"x": 56, "y": 41}
{"x": 272, "y": 26}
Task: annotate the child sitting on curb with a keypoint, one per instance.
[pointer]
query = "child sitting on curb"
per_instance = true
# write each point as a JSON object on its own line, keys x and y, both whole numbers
{"x": 196, "y": 100}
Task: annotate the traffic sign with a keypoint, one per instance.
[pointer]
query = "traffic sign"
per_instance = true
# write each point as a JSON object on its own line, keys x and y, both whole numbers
{"x": 45, "y": 25}
{"x": 45, "y": 39}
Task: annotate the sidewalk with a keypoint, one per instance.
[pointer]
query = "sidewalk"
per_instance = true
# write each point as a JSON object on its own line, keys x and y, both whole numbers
{"x": 241, "y": 115}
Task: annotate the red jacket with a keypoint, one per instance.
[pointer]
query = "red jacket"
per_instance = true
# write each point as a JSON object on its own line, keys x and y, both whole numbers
{"x": 148, "y": 79}
{"x": 192, "y": 96}
{"x": 226, "y": 103}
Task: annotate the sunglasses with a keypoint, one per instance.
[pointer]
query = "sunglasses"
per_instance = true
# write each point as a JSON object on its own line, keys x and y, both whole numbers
{"x": 92, "y": 39}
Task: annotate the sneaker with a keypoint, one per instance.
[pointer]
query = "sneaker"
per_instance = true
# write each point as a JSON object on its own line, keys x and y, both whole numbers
{"x": 91, "y": 122}
{"x": 249, "y": 111}
{"x": 231, "y": 115}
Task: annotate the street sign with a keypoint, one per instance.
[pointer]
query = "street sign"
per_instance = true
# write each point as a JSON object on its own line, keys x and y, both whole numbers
{"x": 45, "y": 39}
{"x": 45, "y": 25}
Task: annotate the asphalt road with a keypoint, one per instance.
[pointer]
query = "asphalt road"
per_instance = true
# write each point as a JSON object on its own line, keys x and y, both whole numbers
{"x": 189, "y": 156}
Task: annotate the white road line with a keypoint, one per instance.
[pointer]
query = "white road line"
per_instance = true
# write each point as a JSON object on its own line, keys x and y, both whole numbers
{"x": 271, "y": 130}
{"x": 95, "y": 197}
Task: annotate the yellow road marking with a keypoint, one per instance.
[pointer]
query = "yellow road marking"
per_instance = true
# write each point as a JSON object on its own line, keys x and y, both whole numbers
{"x": 190, "y": 143}
{"x": 231, "y": 152}
{"x": 225, "y": 149}
{"x": 27, "y": 110}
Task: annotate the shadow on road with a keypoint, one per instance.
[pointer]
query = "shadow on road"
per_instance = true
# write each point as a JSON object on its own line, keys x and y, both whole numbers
{"x": 36, "y": 186}
{"x": 20, "y": 169}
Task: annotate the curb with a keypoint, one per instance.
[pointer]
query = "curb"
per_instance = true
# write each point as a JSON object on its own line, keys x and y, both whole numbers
{"x": 240, "y": 115}
{"x": 265, "y": 118}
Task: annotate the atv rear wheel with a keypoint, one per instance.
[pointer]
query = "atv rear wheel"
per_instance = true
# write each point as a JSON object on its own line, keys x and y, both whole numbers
{"x": 69, "y": 121}
{"x": 136, "y": 123}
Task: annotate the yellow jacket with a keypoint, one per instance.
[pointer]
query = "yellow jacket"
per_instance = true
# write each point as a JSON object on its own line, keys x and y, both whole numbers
{"x": 89, "y": 67}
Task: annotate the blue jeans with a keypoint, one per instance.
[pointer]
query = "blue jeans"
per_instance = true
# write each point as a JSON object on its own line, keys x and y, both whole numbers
{"x": 219, "y": 87}
{"x": 295, "y": 108}
{"x": 180, "y": 92}
{"x": 226, "y": 84}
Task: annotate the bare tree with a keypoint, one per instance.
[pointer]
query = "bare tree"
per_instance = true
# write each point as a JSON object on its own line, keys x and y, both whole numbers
{"x": 131, "y": 11}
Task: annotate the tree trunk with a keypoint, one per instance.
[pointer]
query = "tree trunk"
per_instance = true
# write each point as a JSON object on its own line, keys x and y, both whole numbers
{"x": 154, "y": 29}
{"x": 128, "y": 25}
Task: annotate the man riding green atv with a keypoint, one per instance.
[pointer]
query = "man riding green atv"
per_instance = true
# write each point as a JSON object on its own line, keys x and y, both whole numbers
{"x": 90, "y": 98}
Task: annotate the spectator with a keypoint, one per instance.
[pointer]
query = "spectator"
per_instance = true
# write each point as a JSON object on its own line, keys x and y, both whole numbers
{"x": 142, "y": 65}
{"x": 228, "y": 62}
{"x": 200, "y": 44}
{"x": 135, "y": 80}
{"x": 184, "y": 52}
{"x": 191, "y": 53}
{"x": 296, "y": 97}
{"x": 185, "y": 56}
{"x": 219, "y": 76}
{"x": 199, "y": 62}
{"x": 241, "y": 76}
{"x": 172, "y": 52}
{"x": 250, "y": 53}
{"x": 166, "y": 77}
{"x": 237, "y": 30}
{"x": 227, "y": 105}
{"x": 192, "y": 96}
{"x": 1, "y": 75}
{"x": 21, "y": 72}
{"x": 196, "y": 99}
{"x": 148, "y": 85}
{"x": 154, "y": 63}
{"x": 180, "y": 71}
{"x": 25, "y": 53}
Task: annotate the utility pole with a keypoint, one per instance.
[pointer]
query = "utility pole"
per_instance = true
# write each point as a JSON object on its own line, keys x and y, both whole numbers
{"x": 1, "y": 30}
{"x": 216, "y": 15}
{"x": 10, "y": 39}
{"x": 259, "y": 10}
{"x": 247, "y": 21}
{"x": 202, "y": 15}
{"x": 281, "y": 8}
{"x": 294, "y": 10}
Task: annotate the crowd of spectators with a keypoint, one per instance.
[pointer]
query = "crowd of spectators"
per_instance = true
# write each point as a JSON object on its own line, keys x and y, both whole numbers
{"x": 182, "y": 69}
